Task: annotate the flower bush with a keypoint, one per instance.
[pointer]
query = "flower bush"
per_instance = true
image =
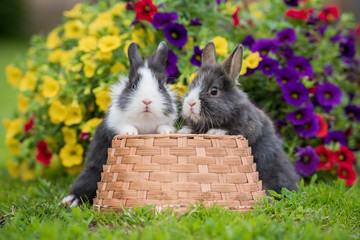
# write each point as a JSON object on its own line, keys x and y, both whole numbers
{"x": 300, "y": 66}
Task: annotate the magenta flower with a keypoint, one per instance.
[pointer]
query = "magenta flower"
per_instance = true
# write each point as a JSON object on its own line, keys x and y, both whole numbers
{"x": 301, "y": 65}
{"x": 176, "y": 34}
{"x": 161, "y": 19}
{"x": 196, "y": 57}
{"x": 286, "y": 75}
{"x": 308, "y": 161}
{"x": 268, "y": 65}
{"x": 285, "y": 37}
{"x": 295, "y": 93}
{"x": 328, "y": 95}
{"x": 264, "y": 46}
{"x": 301, "y": 115}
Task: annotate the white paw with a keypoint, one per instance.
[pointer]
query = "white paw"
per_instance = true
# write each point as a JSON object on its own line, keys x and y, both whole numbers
{"x": 71, "y": 201}
{"x": 216, "y": 131}
{"x": 185, "y": 130}
{"x": 129, "y": 130}
{"x": 165, "y": 129}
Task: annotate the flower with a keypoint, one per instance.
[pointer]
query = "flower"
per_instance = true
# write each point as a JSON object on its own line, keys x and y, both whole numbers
{"x": 235, "y": 17}
{"x": 301, "y": 115}
{"x": 161, "y": 19}
{"x": 43, "y": 153}
{"x": 295, "y": 93}
{"x": 248, "y": 41}
{"x": 75, "y": 12}
{"x": 87, "y": 44}
{"x": 179, "y": 89}
{"x": 329, "y": 14}
{"x": 285, "y": 37}
{"x": 89, "y": 68}
{"x": 57, "y": 112}
{"x": 345, "y": 157}
{"x": 309, "y": 129}
{"x": 286, "y": 75}
{"x": 292, "y": 3}
{"x": 23, "y": 103}
{"x": 301, "y": 65}
{"x": 91, "y": 124}
{"x": 297, "y": 14}
{"x": 27, "y": 173}
{"x": 264, "y": 46}
{"x": 328, "y": 70}
{"x": 109, "y": 43}
{"x": 176, "y": 34}
{"x": 84, "y": 135}
{"x": 74, "y": 115}
{"x": 69, "y": 135}
{"x": 145, "y": 10}
{"x": 353, "y": 112}
{"x": 328, "y": 94}
{"x": 196, "y": 57}
{"x": 253, "y": 60}
{"x": 268, "y": 65}
{"x": 53, "y": 40}
{"x": 13, "y": 168}
{"x": 13, "y": 127}
{"x": 326, "y": 156}
{"x": 195, "y": 22}
{"x": 287, "y": 52}
{"x": 102, "y": 98}
{"x": 308, "y": 161}
{"x": 221, "y": 45}
{"x": 347, "y": 173}
{"x": 29, "y": 125}
{"x": 74, "y": 29}
{"x": 335, "y": 136}
{"x": 172, "y": 71}
{"x": 13, "y": 75}
{"x": 357, "y": 31}
{"x": 347, "y": 48}
{"x": 323, "y": 131}
{"x": 28, "y": 82}
{"x": 50, "y": 87}
{"x": 71, "y": 155}
{"x": 117, "y": 67}
{"x": 13, "y": 146}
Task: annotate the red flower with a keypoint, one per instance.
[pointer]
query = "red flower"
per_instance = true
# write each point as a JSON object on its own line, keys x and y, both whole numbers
{"x": 348, "y": 174}
{"x": 345, "y": 157}
{"x": 329, "y": 14}
{"x": 145, "y": 10}
{"x": 358, "y": 30}
{"x": 235, "y": 17}
{"x": 297, "y": 14}
{"x": 323, "y": 131}
{"x": 327, "y": 158}
{"x": 44, "y": 155}
{"x": 29, "y": 125}
{"x": 84, "y": 135}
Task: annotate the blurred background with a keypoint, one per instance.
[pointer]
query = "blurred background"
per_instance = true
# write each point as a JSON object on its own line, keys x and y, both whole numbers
{"x": 20, "y": 19}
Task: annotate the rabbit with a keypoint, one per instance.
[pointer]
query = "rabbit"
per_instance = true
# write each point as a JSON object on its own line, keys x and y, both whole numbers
{"x": 215, "y": 105}
{"x": 141, "y": 104}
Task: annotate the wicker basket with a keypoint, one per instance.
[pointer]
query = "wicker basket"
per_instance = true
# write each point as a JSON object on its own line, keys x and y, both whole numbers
{"x": 178, "y": 170}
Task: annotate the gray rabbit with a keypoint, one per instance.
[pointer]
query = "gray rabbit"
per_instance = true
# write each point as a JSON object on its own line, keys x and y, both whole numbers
{"x": 215, "y": 105}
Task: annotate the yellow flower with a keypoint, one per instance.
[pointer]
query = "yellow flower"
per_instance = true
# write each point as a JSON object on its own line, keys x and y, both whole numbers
{"x": 109, "y": 43}
{"x": 26, "y": 173}
{"x": 243, "y": 67}
{"x": 229, "y": 8}
{"x": 13, "y": 168}
{"x": 56, "y": 55}
{"x": 53, "y": 40}
{"x": 89, "y": 68}
{"x": 28, "y": 82}
{"x": 74, "y": 29}
{"x": 151, "y": 36}
{"x": 105, "y": 56}
{"x": 23, "y": 103}
{"x": 103, "y": 98}
{"x": 192, "y": 76}
{"x": 13, "y": 75}
{"x": 50, "y": 87}
{"x": 117, "y": 67}
{"x": 179, "y": 89}
{"x": 67, "y": 56}
{"x": 75, "y": 169}
{"x": 126, "y": 47}
{"x": 91, "y": 124}
{"x": 39, "y": 97}
{"x": 74, "y": 115}
{"x": 118, "y": 9}
{"x": 87, "y": 44}
{"x": 13, "y": 127}
{"x": 75, "y": 12}
{"x": 13, "y": 145}
{"x": 189, "y": 44}
{"x": 253, "y": 60}
{"x": 254, "y": 10}
{"x": 71, "y": 155}
{"x": 57, "y": 112}
{"x": 220, "y": 46}
{"x": 103, "y": 21}
{"x": 137, "y": 36}
{"x": 69, "y": 135}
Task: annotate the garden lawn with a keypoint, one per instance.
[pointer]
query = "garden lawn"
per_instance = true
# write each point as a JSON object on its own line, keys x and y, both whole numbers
{"x": 317, "y": 211}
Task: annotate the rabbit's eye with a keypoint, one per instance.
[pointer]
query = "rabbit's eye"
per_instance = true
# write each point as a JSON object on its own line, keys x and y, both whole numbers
{"x": 214, "y": 91}
{"x": 133, "y": 87}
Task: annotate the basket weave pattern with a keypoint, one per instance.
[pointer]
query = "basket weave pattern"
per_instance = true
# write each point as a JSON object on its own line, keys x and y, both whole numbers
{"x": 177, "y": 171}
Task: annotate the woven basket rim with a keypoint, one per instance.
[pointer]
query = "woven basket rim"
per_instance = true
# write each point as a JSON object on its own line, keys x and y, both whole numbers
{"x": 176, "y": 135}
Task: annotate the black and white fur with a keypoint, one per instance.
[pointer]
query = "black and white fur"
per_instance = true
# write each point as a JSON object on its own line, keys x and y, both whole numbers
{"x": 141, "y": 104}
{"x": 215, "y": 105}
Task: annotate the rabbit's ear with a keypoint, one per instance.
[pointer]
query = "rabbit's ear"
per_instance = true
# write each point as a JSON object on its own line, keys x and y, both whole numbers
{"x": 208, "y": 55}
{"x": 232, "y": 64}
{"x": 135, "y": 58}
{"x": 161, "y": 54}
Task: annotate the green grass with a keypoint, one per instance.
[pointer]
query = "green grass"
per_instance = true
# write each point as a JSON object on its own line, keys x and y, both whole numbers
{"x": 317, "y": 211}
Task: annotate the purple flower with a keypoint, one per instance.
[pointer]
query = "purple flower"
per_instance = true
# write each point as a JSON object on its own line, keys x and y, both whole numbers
{"x": 264, "y": 46}
{"x": 219, "y": 1}
{"x": 322, "y": 29}
{"x": 286, "y": 75}
{"x": 295, "y": 93}
{"x": 328, "y": 70}
{"x": 309, "y": 129}
{"x": 248, "y": 41}
{"x": 195, "y": 22}
{"x": 268, "y": 65}
{"x": 250, "y": 71}
{"x": 328, "y": 94}
{"x": 172, "y": 71}
{"x": 196, "y": 57}
{"x": 337, "y": 37}
{"x": 308, "y": 161}
{"x": 292, "y": 3}
{"x": 347, "y": 48}
{"x": 301, "y": 115}
{"x": 335, "y": 136}
{"x": 285, "y": 37}
{"x": 301, "y": 65}
{"x": 161, "y": 19}
{"x": 353, "y": 112}
{"x": 176, "y": 34}
{"x": 287, "y": 52}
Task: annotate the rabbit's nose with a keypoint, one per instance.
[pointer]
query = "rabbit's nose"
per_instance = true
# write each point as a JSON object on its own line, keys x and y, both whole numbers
{"x": 192, "y": 104}
{"x": 147, "y": 102}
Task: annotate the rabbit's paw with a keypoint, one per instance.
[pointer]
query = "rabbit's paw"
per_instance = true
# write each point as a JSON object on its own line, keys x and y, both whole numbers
{"x": 185, "y": 130}
{"x": 71, "y": 201}
{"x": 165, "y": 129}
{"x": 129, "y": 130}
{"x": 216, "y": 131}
